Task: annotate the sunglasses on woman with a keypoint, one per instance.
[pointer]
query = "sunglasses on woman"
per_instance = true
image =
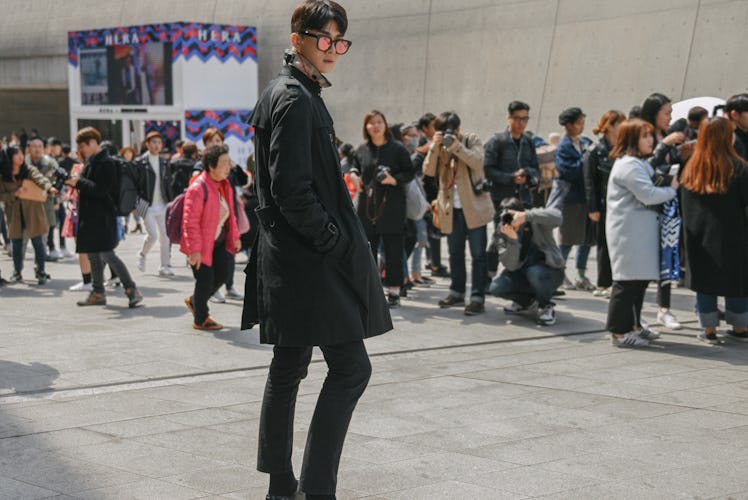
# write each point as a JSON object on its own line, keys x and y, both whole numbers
{"x": 324, "y": 42}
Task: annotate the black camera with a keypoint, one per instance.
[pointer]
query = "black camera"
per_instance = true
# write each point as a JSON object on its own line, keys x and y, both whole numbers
{"x": 449, "y": 137}
{"x": 382, "y": 171}
{"x": 506, "y": 217}
{"x": 59, "y": 176}
{"x": 482, "y": 186}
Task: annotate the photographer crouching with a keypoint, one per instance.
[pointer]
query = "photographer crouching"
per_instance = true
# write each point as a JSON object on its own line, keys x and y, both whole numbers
{"x": 533, "y": 263}
{"x": 464, "y": 207}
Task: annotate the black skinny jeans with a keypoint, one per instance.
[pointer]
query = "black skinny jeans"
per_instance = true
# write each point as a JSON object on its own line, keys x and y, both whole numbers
{"x": 604, "y": 272}
{"x": 98, "y": 260}
{"x": 208, "y": 279}
{"x": 625, "y": 307}
{"x": 393, "y": 256}
{"x": 348, "y": 374}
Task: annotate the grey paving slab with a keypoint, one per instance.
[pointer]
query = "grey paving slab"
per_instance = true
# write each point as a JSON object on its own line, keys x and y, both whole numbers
{"x": 118, "y": 403}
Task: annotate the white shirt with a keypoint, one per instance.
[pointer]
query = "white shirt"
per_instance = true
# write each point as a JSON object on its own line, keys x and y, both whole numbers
{"x": 158, "y": 199}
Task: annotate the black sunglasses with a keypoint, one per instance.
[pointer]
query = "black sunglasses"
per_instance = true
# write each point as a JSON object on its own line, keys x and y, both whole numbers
{"x": 324, "y": 43}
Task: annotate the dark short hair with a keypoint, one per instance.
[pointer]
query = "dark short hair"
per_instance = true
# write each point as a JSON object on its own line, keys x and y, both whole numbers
{"x": 635, "y": 112}
{"x": 425, "y": 120}
{"x": 517, "y": 106}
{"x": 396, "y": 131}
{"x": 86, "y": 134}
{"x": 652, "y": 105}
{"x": 54, "y": 141}
{"x": 178, "y": 143}
{"x": 697, "y": 113}
{"x": 512, "y": 204}
{"x": 447, "y": 120}
{"x": 315, "y": 14}
{"x": 212, "y": 154}
{"x": 36, "y": 138}
{"x": 738, "y": 102}
{"x": 110, "y": 148}
{"x": 66, "y": 149}
{"x": 189, "y": 149}
{"x": 570, "y": 115}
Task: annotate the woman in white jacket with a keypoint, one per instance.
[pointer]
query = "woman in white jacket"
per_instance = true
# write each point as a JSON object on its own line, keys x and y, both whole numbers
{"x": 632, "y": 230}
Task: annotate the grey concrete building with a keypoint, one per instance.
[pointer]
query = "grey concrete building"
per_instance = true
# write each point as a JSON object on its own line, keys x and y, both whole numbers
{"x": 472, "y": 56}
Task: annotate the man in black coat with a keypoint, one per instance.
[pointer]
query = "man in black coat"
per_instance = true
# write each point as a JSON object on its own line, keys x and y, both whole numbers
{"x": 311, "y": 279}
{"x": 511, "y": 164}
{"x": 736, "y": 110}
{"x": 97, "y": 221}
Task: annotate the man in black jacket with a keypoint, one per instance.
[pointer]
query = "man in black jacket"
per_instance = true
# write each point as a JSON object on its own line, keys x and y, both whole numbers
{"x": 97, "y": 222}
{"x": 180, "y": 169}
{"x": 511, "y": 164}
{"x": 311, "y": 278}
{"x": 155, "y": 189}
{"x": 736, "y": 109}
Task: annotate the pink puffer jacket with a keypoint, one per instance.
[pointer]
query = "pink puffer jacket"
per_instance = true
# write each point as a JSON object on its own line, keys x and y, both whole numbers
{"x": 200, "y": 218}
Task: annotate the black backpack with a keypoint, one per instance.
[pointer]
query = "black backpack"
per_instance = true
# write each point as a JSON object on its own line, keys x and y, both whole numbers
{"x": 125, "y": 189}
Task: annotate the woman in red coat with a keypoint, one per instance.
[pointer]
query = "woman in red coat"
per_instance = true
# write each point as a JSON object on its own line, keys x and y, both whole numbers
{"x": 210, "y": 236}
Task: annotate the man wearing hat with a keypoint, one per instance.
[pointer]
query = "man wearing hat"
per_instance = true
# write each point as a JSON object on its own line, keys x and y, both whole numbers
{"x": 154, "y": 189}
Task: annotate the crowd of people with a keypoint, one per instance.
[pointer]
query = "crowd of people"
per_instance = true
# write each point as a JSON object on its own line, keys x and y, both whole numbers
{"x": 644, "y": 193}
{"x": 48, "y": 189}
{"x": 620, "y": 193}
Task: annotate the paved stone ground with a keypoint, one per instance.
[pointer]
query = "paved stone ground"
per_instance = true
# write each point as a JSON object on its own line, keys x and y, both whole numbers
{"x": 101, "y": 403}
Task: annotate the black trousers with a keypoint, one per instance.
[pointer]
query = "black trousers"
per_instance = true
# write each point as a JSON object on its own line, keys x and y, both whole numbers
{"x": 663, "y": 294}
{"x": 604, "y": 273}
{"x": 348, "y": 374}
{"x": 625, "y": 307}
{"x": 208, "y": 279}
{"x": 393, "y": 256}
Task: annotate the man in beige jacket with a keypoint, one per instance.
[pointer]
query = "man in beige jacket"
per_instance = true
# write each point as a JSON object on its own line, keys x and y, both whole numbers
{"x": 464, "y": 207}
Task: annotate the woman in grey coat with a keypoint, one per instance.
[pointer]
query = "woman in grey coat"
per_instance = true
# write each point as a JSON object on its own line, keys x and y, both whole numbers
{"x": 632, "y": 231}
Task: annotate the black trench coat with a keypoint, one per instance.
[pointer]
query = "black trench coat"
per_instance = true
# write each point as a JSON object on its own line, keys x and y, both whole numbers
{"x": 97, "y": 224}
{"x": 311, "y": 278}
{"x": 716, "y": 239}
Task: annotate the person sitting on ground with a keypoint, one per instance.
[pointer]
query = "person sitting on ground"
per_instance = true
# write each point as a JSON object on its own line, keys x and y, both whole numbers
{"x": 533, "y": 262}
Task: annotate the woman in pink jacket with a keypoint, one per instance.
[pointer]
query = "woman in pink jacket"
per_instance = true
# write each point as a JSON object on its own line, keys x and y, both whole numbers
{"x": 210, "y": 236}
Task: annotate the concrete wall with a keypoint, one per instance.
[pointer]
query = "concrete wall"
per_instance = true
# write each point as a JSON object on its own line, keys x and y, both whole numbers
{"x": 472, "y": 56}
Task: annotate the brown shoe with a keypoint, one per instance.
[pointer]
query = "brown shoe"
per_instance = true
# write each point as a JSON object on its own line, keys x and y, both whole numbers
{"x": 474, "y": 308}
{"x": 450, "y": 301}
{"x": 208, "y": 324}
{"x": 93, "y": 299}
{"x": 188, "y": 303}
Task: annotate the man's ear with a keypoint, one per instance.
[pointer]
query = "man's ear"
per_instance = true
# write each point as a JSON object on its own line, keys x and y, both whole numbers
{"x": 295, "y": 40}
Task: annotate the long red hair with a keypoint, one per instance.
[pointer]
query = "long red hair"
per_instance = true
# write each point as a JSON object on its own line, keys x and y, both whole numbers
{"x": 711, "y": 167}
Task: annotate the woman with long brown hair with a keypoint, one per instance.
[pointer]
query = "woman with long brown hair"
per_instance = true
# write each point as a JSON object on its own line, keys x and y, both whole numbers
{"x": 597, "y": 166}
{"x": 714, "y": 194}
{"x": 632, "y": 229}
{"x": 384, "y": 166}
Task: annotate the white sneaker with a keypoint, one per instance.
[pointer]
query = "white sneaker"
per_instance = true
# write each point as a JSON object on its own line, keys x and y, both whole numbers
{"x": 648, "y": 334}
{"x": 233, "y": 293}
{"x": 631, "y": 339}
{"x": 166, "y": 271}
{"x": 546, "y": 315}
{"x": 141, "y": 262}
{"x": 241, "y": 258}
{"x": 601, "y": 292}
{"x": 514, "y": 308}
{"x": 55, "y": 254}
{"x": 218, "y": 298}
{"x": 81, "y": 287}
{"x": 668, "y": 320}
{"x": 67, "y": 253}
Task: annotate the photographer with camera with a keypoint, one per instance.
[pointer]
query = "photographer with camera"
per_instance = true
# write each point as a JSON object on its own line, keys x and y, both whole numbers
{"x": 464, "y": 207}
{"x": 533, "y": 263}
{"x": 384, "y": 167}
{"x": 49, "y": 168}
{"x": 25, "y": 209}
{"x": 511, "y": 164}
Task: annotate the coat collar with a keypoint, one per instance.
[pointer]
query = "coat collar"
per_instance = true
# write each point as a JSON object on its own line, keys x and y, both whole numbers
{"x": 295, "y": 60}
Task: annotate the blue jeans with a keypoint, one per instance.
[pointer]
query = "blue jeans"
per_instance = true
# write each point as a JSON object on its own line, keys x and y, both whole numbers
{"x": 536, "y": 282}
{"x": 478, "y": 240}
{"x": 583, "y": 253}
{"x": 416, "y": 263}
{"x": 39, "y": 254}
{"x": 736, "y": 310}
